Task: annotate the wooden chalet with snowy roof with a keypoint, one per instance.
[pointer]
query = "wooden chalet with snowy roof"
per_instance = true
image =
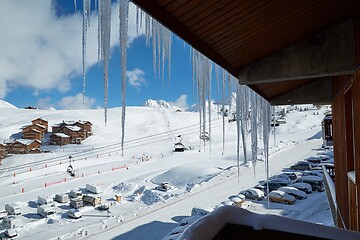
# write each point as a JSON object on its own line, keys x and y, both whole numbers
{"x": 23, "y": 146}
{"x": 32, "y": 133}
{"x": 3, "y": 151}
{"x": 59, "y": 139}
{"x": 75, "y": 130}
{"x": 41, "y": 122}
{"x": 36, "y": 130}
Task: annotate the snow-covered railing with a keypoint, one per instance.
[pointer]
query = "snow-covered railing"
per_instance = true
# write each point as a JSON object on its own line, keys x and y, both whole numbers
{"x": 331, "y": 193}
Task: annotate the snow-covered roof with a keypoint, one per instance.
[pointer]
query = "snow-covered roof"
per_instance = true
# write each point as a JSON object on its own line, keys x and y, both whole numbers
{"x": 74, "y": 128}
{"x": 39, "y": 118}
{"x": 25, "y": 141}
{"x": 63, "y": 135}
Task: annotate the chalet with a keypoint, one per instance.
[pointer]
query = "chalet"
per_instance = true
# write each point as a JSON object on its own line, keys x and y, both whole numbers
{"x": 74, "y": 132}
{"x": 3, "y": 151}
{"x": 86, "y": 127}
{"x": 59, "y": 139}
{"x": 34, "y": 134}
{"x": 42, "y": 122}
{"x": 23, "y": 146}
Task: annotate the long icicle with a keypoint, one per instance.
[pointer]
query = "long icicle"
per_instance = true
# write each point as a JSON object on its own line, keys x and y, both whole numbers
{"x": 86, "y": 23}
{"x": 105, "y": 31}
{"x": 238, "y": 112}
{"x": 123, "y": 28}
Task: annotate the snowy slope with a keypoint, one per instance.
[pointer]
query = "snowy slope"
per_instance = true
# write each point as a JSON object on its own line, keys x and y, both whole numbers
{"x": 4, "y": 104}
{"x": 202, "y": 176}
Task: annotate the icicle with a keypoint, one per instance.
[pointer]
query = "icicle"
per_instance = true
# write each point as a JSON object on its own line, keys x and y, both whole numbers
{"x": 217, "y": 88}
{"x": 86, "y": 23}
{"x": 209, "y": 71}
{"x": 223, "y": 109}
{"x": 123, "y": 28}
{"x": 104, "y": 33}
{"x": 137, "y": 21}
{"x": 274, "y": 120}
{"x": 254, "y": 132}
{"x": 243, "y": 111}
{"x": 266, "y": 132}
{"x": 74, "y": 5}
{"x": 238, "y": 113}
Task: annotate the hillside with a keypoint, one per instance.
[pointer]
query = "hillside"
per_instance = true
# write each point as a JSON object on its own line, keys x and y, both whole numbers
{"x": 148, "y": 160}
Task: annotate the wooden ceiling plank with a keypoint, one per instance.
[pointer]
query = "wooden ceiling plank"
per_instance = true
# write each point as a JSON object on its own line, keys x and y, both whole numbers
{"x": 200, "y": 9}
{"x": 263, "y": 28}
{"x": 296, "y": 34}
{"x": 212, "y": 8}
{"x": 281, "y": 41}
{"x": 187, "y": 8}
{"x": 174, "y": 5}
{"x": 241, "y": 15}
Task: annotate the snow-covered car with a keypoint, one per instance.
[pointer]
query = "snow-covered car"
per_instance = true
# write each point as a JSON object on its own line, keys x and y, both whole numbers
{"x": 305, "y": 187}
{"x": 298, "y": 194}
{"x": 237, "y": 200}
{"x": 317, "y": 173}
{"x": 10, "y": 233}
{"x": 281, "y": 197}
{"x": 253, "y": 193}
{"x": 301, "y": 166}
{"x": 74, "y": 193}
{"x": 291, "y": 175}
{"x": 164, "y": 186}
{"x": 317, "y": 183}
{"x": 272, "y": 186}
{"x": 74, "y": 213}
{"x": 103, "y": 207}
{"x": 281, "y": 180}
{"x": 314, "y": 159}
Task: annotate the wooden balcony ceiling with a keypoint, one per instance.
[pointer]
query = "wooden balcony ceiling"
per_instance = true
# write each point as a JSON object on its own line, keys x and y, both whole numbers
{"x": 236, "y": 33}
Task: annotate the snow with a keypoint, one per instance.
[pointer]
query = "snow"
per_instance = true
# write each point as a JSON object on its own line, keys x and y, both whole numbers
{"x": 5, "y": 104}
{"x": 196, "y": 177}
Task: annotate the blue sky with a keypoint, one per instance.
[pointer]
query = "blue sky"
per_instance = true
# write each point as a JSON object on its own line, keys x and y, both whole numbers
{"x": 41, "y": 60}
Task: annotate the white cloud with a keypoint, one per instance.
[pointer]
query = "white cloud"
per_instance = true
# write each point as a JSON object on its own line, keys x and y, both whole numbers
{"x": 136, "y": 78}
{"x": 76, "y": 102}
{"x": 44, "y": 103}
{"x": 181, "y": 101}
{"x": 41, "y": 51}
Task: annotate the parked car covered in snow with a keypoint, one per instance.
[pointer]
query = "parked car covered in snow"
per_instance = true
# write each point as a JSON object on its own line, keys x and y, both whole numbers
{"x": 305, "y": 187}
{"x": 272, "y": 186}
{"x": 74, "y": 213}
{"x": 253, "y": 193}
{"x": 317, "y": 173}
{"x": 75, "y": 193}
{"x": 298, "y": 194}
{"x": 164, "y": 186}
{"x": 46, "y": 210}
{"x": 302, "y": 165}
{"x": 291, "y": 175}
{"x": 281, "y": 197}
{"x": 10, "y": 233}
{"x": 317, "y": 183}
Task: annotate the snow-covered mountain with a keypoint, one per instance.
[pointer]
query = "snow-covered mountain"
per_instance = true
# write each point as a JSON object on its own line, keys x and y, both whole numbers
{"x": 4, "y": 104}
{"x": 160, "y": 104}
